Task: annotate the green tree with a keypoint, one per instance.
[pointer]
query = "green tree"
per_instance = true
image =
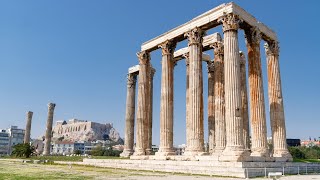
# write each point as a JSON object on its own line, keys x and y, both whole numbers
{"x": 77, "y": 152}
{"x": 297, "y": 152}
{"x": 312, "y": 152}
{"x": 97, "y": 151}
{"x": 23, "y": 150}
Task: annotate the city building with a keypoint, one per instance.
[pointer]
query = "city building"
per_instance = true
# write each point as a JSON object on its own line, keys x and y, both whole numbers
{"x": 290, "y": 142}
{"x": 293, "y": 142}
{"x": 180, "y": 149}
{"x": 16, "y": 136}
{"x": 310, "y": 143}
{"x": 67, "y": 148}
{"x": 154, "y": 148}
{"x": 4, "y": 142}
{"x": 9, "y": 138}
{"x": 85, "y": 147}
{"x": 118, "y": 147}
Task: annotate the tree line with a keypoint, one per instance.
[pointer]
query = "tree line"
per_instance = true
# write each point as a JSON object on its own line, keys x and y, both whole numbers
{"x": 303, "y": 152}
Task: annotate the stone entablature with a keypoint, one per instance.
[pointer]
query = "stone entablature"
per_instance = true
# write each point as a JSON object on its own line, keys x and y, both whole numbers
{"x": 208, "y": 20}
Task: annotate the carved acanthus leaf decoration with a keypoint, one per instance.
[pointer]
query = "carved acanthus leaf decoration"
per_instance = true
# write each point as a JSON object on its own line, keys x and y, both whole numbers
{"x": 253, "y": 36}
{"x": 230, "y": 22}
{"x": 167, "y": 47}
{"x": 144, "y": 58}
{"x": 195, "y": 36}
{"x": 131, "y": 79}
{"x": 272, "y": 48}
{"x": 218, "y": 48}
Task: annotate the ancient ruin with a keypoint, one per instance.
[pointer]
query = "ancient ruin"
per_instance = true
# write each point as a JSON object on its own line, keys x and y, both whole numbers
{"x": 28, "y": 127}
{"x": 83, "y": 130}
{"x": 48, "y": 136}
{"x": 228, "y": 117}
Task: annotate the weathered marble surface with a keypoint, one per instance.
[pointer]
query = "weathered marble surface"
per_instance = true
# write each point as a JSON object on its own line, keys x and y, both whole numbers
{"x": 48, "y": 136}
{"x": 28, "y": 127}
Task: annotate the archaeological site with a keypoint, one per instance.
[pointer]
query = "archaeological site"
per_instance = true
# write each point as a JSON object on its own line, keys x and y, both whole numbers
{"x": 237, "y": 143}
{"x": 231, "y": 150}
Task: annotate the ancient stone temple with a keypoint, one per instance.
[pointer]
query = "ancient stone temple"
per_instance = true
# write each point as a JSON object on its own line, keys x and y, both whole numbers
{"x": 230, "y": 94}
{"x": 236, "y": 123}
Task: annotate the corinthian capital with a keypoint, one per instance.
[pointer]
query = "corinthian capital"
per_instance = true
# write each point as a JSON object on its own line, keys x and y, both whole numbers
{"x": 253, "y": 36}
{"x": 272, "y": 48}
{"x": 29, "y": 113}
{"x": 217, "y": 48}
{"x": 131, "y": 79}
{"x": 51, "y": 106}
{"x": 144, "y": 57}
{"x": 230, "y": 22}
{"x": 186, "y": 57}
{"x": 194, "y": 36}
{"x": 167, "y": 47}
{"x": 210, "y": 66}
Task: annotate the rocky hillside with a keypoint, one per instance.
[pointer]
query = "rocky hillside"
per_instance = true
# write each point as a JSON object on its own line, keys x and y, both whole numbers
{"x": 80, "y": 130}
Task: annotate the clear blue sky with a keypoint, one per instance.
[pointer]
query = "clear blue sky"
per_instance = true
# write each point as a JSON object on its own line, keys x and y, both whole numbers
{"x": 76, "y": 53}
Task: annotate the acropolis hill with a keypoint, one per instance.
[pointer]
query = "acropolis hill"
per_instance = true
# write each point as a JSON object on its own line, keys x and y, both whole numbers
{"x": 83, "y": 130}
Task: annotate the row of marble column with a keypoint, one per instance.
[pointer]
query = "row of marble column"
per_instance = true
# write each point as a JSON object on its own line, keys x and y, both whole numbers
{"x": 228, "y": 118}
{"x": 144, "y": 116}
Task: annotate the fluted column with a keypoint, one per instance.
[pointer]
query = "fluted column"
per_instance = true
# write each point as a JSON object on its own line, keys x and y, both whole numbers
{"x": 150, "y": 110}
{"x": 130, "y": 114}
{"x": 244, "y": 101}
{"x": 28, "y": 128}
{"x": 234, "y": 150}
{"x": 277, "y": 118}
{"x": 47, "y": 141}
{"x": 147, "y": 119}
{"x": 186, "y": 56}
{"x": 142, "y": 111}
{"x": 195, "y": 136}
{"x": 166, "y": 111}
{"x": 219, "y": 102}
{"x": 211, "y": 118}
{"x": 259, "y": 145}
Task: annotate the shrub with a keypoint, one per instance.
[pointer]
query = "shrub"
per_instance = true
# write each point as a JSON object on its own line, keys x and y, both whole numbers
{"x": 97, "y": 151}
{"x": 23, "y": 150}
{"x": 297, "y": 153}
{"x": 312, "y": 152}
{"x": 77, "y": 152}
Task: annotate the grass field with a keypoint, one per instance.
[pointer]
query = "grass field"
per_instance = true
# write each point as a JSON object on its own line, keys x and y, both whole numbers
{"x": 62, "y": 158}
{"x": 14, "y": 169}
{"x": 29, "y": 171}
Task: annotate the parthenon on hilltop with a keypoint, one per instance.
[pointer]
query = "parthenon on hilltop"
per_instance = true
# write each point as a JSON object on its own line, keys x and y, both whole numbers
{"x": 228, "y": 117}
